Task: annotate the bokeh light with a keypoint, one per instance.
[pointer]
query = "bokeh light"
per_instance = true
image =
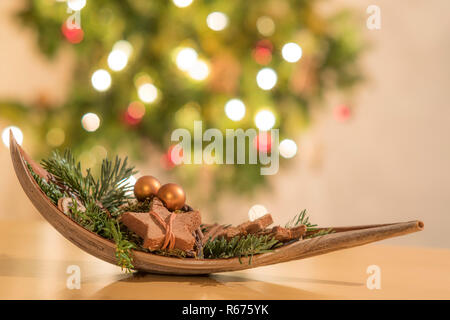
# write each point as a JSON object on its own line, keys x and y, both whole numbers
{"x": 263, "y": 142}
{"x": 257, "y": 211}
{"x": 265, "y": 26}
{"x": 90, "y": 122}
{"x": 101, "y": 80}
{"x": 217, "y": 21}
{"x": 72, "y": 33}
{"x": 136, "y": 110}
{"x": 186, "y": 58}
{"x": 235, "y": 109}
{"x": 76, "y": 5}
{"x": 288, "y": 148}
{"x": 342, "y": 113}
{"x": 17, "y": 133}
{"x": 124, "y": 46}
{"x": 266, "y": 78}
{"x": 264, "y": 120}
{"x": 182, "y": 3}
{"x": 55, "y": 137}
{"x": 147, "y": 92}
{"x": 199, "y": 70}
{"x": 263, "y": 52}
{"x": 131, "y": 181}
{"x": 117, "y": 60}
{"x": 291, "y": 52}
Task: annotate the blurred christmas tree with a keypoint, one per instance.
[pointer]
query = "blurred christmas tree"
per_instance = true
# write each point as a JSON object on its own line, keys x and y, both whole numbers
{"x": 145, "y": 68}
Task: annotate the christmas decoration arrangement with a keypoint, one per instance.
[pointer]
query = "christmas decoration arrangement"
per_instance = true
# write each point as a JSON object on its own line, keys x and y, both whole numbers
{"x": 150, "y": 227}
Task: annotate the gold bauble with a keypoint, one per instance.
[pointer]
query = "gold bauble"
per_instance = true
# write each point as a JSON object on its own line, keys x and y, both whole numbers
{"x": 172, "y": 195}
{"x": 146, "y": 187}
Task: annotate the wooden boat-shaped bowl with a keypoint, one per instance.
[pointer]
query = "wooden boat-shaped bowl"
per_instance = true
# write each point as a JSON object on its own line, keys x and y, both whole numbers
{"x": 342, "y": 238}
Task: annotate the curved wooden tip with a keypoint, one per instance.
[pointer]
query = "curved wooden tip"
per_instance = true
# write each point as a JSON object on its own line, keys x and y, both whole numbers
{"x": 344, "y": 237}
{"x": 352, "y": 238}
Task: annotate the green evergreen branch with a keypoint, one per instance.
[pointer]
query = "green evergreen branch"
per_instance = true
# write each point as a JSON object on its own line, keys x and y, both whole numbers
{"x": 111, "y": 190}
{"x": 246, "y": 246}
{"x": 68, "y": 175}
{"x": 97, "y": 195}
{"x": 50, "y": 189}
{"x": 303, "y": 219}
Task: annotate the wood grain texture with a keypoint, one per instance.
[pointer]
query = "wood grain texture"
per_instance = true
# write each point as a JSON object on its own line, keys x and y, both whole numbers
{"x": 344, "y": 237}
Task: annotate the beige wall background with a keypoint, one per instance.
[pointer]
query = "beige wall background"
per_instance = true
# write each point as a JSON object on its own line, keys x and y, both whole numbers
{"x": 390, "y": 162}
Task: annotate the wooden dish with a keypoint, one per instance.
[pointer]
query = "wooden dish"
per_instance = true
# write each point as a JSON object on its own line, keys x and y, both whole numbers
{"x": 342, "y": 238}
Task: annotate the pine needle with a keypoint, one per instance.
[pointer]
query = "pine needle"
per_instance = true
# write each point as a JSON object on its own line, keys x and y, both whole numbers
{"x": 300, "y": 219}
{"x": 246, "y": 246}
{"x": 303, "y": 219}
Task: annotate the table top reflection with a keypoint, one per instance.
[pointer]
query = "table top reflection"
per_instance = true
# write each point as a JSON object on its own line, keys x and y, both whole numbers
{"x": 34, "y": 262}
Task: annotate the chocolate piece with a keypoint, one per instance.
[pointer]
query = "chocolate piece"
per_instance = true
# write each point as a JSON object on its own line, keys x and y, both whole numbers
{"x": 256, "y": 225}
{"x": 249, "y": 227}
{"x": 150, "y": 229}
{"x": 286, "y": 234}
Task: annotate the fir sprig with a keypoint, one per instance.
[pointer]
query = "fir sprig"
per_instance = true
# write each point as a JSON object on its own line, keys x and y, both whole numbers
{"x": 97, "y": 195}
{"x": 311, "y": 229}
{"x": 68, "y": 175}
{"x": 300, "y": 219}
{"x": 246, "y": 246}
{"x": 111, "y": 189}
{"x": 51, "y": 190}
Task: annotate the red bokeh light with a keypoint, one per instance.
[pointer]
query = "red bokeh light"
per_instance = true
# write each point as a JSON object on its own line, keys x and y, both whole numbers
{"x": 263, "y": 142}
{"x": 136, "y": 110}
{"x": 134, "y": 113}
{"x": 342, "y": 112}
{"x": 262, "y": 53}
{"x": 167, "y": 160}
{"x": 73, "y": 34}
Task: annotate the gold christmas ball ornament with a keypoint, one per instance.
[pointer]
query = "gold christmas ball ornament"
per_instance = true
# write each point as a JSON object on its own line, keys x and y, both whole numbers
{"x": 145, "y": 187}
{"x": 172, "y": 195}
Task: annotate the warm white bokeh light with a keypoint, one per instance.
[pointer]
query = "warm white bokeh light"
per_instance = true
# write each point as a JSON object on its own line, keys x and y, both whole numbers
{"x": 264, "y": 120}
{"x": 186, "y": 58}
{"x": 131, "y": 181}
{"x": 266, "y": 78}
{"x": 147, "y": 92}
{"x": 117, "y": 60}
{"x": 291, "y": 52}
{"x": 257, "y": 211}
{"x": 124, "y": 46}
{"x": 101, "y": 80}
{"x": 235, "y": 109}
{"x": 90, "y": 122}
{"x": 182, "y": 3}
{"x": 199, "y": 70}
{"x": 17, "y": 133}
{"x": 217, "y": 21}
{"x": 288, "y": 148}
{"x": 265, "y": 26}
{"x": 76, "y": 5}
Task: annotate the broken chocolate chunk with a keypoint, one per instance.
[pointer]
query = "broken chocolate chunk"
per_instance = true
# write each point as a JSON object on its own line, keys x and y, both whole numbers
{"x": 286, "y": 234}
{"x": 249, "y": 227}
{"x": 148, "y": 227}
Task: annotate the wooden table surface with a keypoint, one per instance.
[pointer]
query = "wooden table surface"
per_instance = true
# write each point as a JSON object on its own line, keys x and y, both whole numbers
{"x": 34, "y": 259}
